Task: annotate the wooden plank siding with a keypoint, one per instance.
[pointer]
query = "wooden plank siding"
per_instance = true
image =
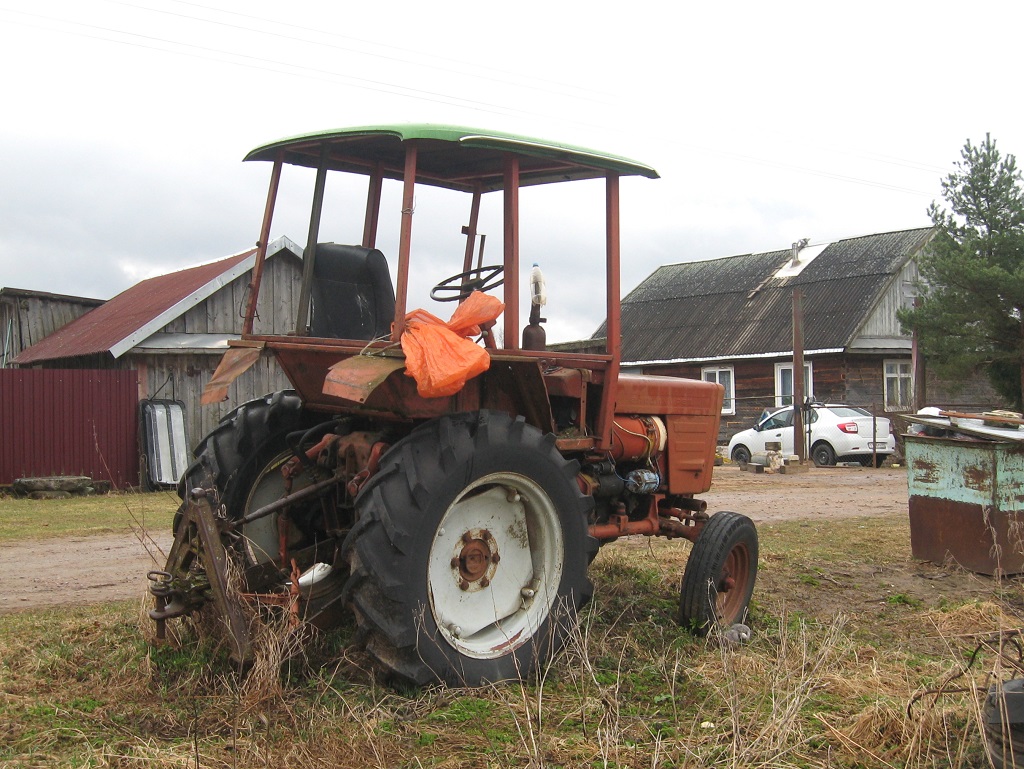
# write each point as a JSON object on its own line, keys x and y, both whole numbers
{"x": 26, "y": 318}
{"x": 183, "y": 375}
{"x": 882, "y": 323}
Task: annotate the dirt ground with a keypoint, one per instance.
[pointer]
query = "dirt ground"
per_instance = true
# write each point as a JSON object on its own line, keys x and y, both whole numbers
{"x": 78, "y": 570}
{"x": 817, "y": 495}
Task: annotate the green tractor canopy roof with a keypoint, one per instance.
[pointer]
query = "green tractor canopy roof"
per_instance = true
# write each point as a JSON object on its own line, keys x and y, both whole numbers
{"x": 453, "y": 157}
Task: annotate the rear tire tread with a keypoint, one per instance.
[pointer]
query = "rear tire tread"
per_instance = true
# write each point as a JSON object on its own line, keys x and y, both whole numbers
{"x": 432, "y": 458}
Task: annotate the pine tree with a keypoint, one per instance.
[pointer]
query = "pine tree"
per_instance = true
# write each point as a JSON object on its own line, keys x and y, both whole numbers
{"x": 969, "y": 315}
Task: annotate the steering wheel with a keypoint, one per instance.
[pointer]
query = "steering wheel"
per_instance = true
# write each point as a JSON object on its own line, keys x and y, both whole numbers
{"x": 460, "y": 286}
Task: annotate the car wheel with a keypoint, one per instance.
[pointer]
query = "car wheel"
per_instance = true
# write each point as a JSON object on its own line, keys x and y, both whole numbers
{"x": 823, "y": 455}
{"x": 741, "y": 454}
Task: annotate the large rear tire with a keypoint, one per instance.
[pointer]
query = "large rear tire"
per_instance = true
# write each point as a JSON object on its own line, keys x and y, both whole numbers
{"x": 469, "y": 558}
{"x": 242, "y": 458}
{"x": 720, "y": 574}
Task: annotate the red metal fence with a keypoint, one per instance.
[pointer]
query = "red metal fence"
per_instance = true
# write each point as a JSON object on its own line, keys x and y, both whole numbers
{"x": 69, "y": 422}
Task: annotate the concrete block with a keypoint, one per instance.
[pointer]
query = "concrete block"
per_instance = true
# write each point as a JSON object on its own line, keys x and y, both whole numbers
{"x": 794, "y": 469}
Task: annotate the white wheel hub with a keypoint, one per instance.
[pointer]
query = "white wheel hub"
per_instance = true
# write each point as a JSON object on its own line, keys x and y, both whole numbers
{"x": 495, "y": 565}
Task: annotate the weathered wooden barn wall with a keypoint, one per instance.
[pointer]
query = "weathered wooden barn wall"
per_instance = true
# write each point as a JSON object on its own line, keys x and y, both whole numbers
{"x": 224, "y": 311}
{"x": 883, "y": 323}
{"x": 69, "y": 422}
{"x": 182, "y": 376}
{"x": 28, "y": 316}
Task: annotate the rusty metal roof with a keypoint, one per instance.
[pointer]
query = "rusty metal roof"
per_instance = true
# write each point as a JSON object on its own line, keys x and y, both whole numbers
{"x": 735, "y": 307}
{"x": 117, "y": 325}
{"x": 137, "y": 314}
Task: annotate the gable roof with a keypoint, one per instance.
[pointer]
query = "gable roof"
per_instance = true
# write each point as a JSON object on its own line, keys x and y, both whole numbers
{"x": 738, "y": 307}
{"x": 137, "y": 313}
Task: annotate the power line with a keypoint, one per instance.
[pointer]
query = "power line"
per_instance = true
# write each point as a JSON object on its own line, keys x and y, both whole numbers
{"x": 563, "y": 89}
{"x": 250, "y": 61}
{"x": 262, "y": 63}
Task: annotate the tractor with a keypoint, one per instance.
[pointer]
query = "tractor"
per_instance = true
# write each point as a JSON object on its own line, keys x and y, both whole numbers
{"x": 443, "y": 485}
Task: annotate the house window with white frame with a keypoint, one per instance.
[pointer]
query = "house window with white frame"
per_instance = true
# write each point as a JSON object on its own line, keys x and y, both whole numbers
{"x": 899, "y": 385}
{"x": 784, "y": 383}
{"x": 724, "y": 376}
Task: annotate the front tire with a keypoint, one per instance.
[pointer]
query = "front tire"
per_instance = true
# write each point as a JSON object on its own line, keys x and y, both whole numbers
{"x": 468, "y": 562}
{"x": 720, "y": 574}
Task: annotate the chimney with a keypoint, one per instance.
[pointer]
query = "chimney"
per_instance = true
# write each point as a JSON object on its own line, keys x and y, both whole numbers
{"x": 796, "y": 248}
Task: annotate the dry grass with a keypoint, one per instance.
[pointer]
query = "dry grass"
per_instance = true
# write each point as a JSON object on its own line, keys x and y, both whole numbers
{"x": 825, "y": 682}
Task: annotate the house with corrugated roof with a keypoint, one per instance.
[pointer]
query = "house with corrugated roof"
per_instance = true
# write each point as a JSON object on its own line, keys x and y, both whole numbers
{"x": 174, "y": 328}
{"x": 730, "y": 320}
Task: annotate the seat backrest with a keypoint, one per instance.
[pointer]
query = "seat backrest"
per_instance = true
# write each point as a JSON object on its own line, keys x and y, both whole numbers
{"x": 352, "y": 293}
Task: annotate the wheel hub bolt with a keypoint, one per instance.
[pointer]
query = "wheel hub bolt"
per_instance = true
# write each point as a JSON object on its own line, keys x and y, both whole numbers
{"x": 463, "y": 585}
{"x": 484, "y": 582}
{"x": 455, "y": 630}
{"x": 495, "y": 558}
{"x": 513, "y": 496}
{"x": 527, "y": 592}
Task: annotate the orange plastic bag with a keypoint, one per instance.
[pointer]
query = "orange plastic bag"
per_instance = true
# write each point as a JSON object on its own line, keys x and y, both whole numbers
{"x": 438, "y": 355}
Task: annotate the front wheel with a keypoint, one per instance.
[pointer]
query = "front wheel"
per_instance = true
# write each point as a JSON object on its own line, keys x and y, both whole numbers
{"x": 720, "y": 574}
{"x": 741, "y": 454}
{"x": 468, "y": 563}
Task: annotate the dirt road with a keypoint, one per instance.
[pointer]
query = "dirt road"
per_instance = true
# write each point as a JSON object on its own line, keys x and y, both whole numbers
{"x": 76, "y": 570}
{"x": 80, "y": 570}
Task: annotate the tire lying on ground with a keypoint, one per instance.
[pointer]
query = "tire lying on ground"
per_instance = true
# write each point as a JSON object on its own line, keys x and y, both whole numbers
{"x": 469, "y": 559}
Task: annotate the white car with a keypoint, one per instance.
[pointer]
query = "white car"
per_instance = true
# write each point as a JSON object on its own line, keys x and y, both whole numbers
{"x": 836, "y": 432}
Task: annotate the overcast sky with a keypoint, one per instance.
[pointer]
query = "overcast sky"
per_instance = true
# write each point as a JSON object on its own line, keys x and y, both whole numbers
{"x": 124, "y": 123}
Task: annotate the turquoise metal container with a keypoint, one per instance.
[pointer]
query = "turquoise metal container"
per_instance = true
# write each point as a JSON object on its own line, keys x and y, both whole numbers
{"x": 967, "y": 502}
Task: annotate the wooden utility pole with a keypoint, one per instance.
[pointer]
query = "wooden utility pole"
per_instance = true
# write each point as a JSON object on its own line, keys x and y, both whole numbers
{"x": 798, "y": 377}
{"x": 919, "y": 396}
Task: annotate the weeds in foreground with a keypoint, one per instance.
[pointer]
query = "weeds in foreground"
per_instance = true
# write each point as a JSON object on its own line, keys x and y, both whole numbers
{"x": 813, "y": 688}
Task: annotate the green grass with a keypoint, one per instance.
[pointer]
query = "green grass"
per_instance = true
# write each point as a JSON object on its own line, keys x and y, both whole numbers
{"x": 825, "y": 681}
{"x": 22, "y": 519}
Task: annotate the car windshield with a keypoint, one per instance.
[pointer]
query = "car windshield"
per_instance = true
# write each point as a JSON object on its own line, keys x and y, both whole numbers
{"x": 849, "y": 411}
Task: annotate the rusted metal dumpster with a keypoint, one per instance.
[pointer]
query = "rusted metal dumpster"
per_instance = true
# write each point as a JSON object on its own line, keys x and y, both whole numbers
{"x": 967, "y": 502}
